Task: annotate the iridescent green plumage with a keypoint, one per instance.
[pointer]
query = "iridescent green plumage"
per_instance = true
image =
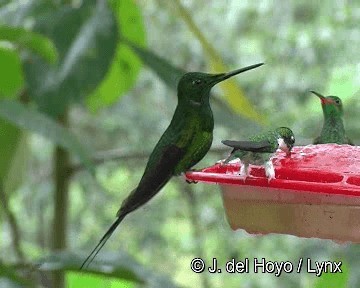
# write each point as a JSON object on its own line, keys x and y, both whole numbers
{"x": 184, "y": 143}
{"x": 333, "y": 130}
{"x": 259, "y": 149}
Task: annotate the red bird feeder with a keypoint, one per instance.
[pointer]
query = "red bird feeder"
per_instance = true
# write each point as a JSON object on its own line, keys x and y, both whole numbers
{"x": 316, "y": 193}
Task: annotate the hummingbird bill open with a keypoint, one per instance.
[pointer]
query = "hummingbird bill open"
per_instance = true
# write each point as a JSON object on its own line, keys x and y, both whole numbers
{"x": 184, "y": 143}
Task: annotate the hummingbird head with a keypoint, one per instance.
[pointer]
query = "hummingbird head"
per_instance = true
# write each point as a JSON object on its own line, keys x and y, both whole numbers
{"x": 194, "y": 87}
{"x": 285, "y": 139}
{"x": 330, "y": 104}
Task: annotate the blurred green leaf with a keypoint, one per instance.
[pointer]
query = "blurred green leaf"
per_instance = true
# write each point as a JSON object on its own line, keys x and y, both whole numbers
{"x": 119, "y": 265}
{"x": 151, "y": 278}
{"x": 126, "y": 65}
{"x": 78, "y": 280}
{"x": 233, "y": 93}
{"x": 9, "y": 278}
{"x": 35, "y": 42}
{"x": 11, "y": 138}
{"x": 86, "y": 39}
{"x": 29, "y": 119}
{"x": 67, "y": 261}
{"x": 334, "y": 280}
{"x": 171, "y": 75}
{"x": 16, "y": 170}
{"x": 167, "y": 72}
{"x": 15, "y": 151}
{"x": 11, "y": 76}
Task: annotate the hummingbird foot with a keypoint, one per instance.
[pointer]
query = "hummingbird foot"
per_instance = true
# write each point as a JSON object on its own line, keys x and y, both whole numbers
{"x": 269, "y": 170}
{"x": 244, "y": 171}
{"x": 187, "y": 180}
{"x": 224, "y": 161}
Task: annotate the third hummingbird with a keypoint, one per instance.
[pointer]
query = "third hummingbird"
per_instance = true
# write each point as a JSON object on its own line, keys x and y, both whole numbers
{"x": 333, "y": 130}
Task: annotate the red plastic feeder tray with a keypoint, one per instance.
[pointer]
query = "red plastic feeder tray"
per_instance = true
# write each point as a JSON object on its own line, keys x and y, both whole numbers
{"x": 316, "y": 193}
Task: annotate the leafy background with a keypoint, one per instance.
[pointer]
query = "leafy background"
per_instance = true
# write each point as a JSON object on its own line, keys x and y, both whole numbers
{"x": 79, "y": 81}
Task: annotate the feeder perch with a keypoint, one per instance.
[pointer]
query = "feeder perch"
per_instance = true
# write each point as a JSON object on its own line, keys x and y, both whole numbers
{"x": 316, "y": 193}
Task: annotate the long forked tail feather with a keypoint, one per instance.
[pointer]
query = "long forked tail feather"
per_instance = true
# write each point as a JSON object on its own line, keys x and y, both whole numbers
{"x": 102, "y": 242}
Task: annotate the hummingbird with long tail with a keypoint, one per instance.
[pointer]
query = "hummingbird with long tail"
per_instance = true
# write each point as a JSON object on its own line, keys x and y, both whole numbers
{"x": 184, "y": 143}
{"x": 333, "y": 130}
{"x": 259, "y": 149}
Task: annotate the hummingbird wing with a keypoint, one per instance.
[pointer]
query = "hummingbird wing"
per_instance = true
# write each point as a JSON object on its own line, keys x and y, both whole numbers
{"x": 156, "y": 175}
{"x": 252, "y": 146}
{"x": 153, "y": 179}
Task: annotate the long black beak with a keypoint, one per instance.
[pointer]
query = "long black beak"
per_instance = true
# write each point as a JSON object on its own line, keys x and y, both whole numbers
{"x": 223, "y": 76}
{"x": 317, "y": 94}
{"x": 322, "y": 98}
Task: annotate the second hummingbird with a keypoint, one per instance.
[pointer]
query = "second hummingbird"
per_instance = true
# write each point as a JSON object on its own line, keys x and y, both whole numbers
{"x": 333, "y": 130}
{"x": 259, "y": 149}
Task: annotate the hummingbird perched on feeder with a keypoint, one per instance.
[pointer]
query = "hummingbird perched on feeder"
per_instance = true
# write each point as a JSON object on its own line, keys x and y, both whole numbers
{"x": 259, "y": 149}
{"x": 184, "y": 143}
{"x": 333, "y": 130}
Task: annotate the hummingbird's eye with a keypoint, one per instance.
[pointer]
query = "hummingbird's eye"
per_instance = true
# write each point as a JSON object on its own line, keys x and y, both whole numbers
{"x": 196, "y": 82}
{"x": 337, "y": 101}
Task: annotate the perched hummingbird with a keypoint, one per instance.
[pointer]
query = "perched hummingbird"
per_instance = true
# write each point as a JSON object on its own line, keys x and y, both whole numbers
{"x": 259, "y": 149}
{"x": 333, "y": 130}
{"x": 184, "y": 143}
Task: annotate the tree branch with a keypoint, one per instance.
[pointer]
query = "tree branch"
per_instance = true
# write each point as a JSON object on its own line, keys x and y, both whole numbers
{"x": 14, "y": 227}
{"x": 120, "y": 154}
{"x": 61, "y": 202}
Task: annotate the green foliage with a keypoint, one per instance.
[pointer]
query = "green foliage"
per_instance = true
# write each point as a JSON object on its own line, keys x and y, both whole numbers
{"x": 113, "y": 270}
{"x": 125, "y": 66}
{"x": 166, "y": 71}
{"x": 77, "y": 280}
{"x": 89, "y": 41}
{"x": 67, "y": 261}
{"x": 34, "y": 42}
{"x": 11, "y": 81}
{"x": 10, "y": 279}
{"x": 11, "y": 76}
{"x": 334, "y": 280}
{"x": 233, "y": 93}
{"x": 68, "y": 53}
{"x": 29, "y": 119}
{"x": 14, "y": 171}
{"x": 101, "y": 47}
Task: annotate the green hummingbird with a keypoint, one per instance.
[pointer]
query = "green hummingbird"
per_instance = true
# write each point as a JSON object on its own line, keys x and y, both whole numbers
{"x": 259, "y": 149}
{"x": 333, "y": 130}
{"x": 184, "y": 143}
